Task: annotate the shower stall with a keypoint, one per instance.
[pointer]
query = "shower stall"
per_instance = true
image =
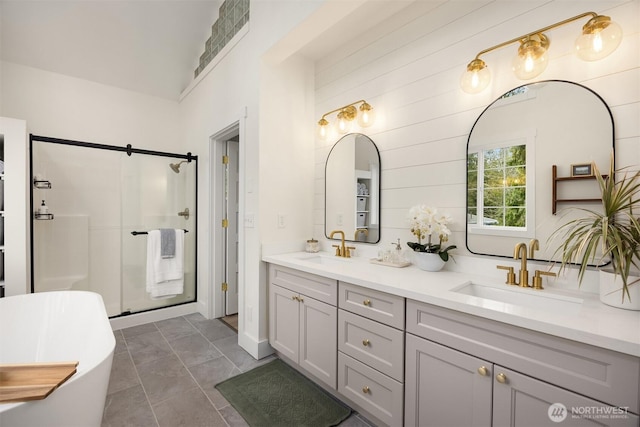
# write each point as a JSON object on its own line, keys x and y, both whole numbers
{"x": 93, "y": 205}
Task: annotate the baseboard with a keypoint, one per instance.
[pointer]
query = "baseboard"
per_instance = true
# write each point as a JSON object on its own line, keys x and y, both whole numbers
{"x": 152, "y": 316}
{"x": 257, "y": 349}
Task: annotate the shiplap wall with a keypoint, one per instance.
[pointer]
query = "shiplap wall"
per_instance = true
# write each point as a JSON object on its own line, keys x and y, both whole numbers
{"x": 409, "y": 70}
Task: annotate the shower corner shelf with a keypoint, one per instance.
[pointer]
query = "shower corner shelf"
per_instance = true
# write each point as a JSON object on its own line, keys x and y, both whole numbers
{"x": 43, "y": 217}
{"x": 45, "y": 185}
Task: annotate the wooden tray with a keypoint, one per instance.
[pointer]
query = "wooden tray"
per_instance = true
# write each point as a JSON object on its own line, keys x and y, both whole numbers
{"x": 32, "y": 381}
{"x": 389, "y": 264}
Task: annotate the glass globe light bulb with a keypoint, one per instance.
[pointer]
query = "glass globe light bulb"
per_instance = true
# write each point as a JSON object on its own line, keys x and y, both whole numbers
{"x": 600, "y": 37}
{"x": 323, "y": 128}
{"x": 366, "y": 115}
{"x": 476, "y": 78}
{"x": 532, "y": 57}
{"x": 343, "y": 124}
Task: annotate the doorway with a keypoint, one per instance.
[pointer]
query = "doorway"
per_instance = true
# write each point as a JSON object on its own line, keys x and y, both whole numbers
{"x": 225, "y": 200}
{"x": 230, "y": 229}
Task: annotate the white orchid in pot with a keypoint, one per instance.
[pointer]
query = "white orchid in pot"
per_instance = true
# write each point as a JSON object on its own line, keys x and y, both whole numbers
{"x": 612, "y": 234}
{"x": 426, "y": 222}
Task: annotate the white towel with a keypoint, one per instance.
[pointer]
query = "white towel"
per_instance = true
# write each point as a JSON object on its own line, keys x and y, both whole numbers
{"x": 165, "y": 276}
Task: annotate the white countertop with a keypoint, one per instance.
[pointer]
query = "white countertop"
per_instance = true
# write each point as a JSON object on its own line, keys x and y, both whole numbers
{"x": 586, "y": 320}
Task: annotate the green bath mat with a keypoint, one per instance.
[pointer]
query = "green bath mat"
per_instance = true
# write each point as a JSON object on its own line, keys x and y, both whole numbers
{"x": 277, "y": 395}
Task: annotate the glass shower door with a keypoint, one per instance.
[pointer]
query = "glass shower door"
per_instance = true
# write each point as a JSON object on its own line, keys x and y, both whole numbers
{"x": 155, "y": 195}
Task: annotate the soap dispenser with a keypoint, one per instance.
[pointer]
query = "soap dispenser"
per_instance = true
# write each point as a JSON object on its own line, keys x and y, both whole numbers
{"x": 43, "y": 209}
{"x": 398, "y": 254}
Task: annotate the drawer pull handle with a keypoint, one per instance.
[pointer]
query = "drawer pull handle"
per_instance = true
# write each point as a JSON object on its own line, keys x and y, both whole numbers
{"x": 482, "y": 370}
{"x": 365, "y": 342}
{"x": 301, "y": 299}
{"x": 501, "y": 378}
{"x": 366, "y": 390}
{"x": 294, "y": 298}
{"x": 367, "y": 302}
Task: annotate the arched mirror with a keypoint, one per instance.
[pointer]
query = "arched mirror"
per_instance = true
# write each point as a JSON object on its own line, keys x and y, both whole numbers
{"x": 527, "y": 162}
{"x": 352, "y": 189}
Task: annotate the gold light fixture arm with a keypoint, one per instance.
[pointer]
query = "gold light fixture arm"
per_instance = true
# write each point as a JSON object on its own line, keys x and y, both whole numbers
{"x": 533, "y": 33}
{"x": 353, "y": 104}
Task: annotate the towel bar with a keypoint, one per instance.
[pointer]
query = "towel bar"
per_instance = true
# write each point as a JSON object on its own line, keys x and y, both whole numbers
{"x": 135, "y": 233}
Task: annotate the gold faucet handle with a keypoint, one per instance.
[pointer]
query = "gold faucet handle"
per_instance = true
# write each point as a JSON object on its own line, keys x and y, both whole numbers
{"x": 511, "y": 276}
{"x": 347, "y": 251}
{"x": 338, "y": 251}
{"x": 537, "y": 278}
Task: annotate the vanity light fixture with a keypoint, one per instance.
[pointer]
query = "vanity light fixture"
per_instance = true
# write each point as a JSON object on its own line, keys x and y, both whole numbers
{"x": 600, "y": 36}
{"x": 345, "y": 117}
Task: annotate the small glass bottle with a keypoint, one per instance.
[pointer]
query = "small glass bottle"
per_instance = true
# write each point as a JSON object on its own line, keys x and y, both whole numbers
{"x": 43, "y": 209}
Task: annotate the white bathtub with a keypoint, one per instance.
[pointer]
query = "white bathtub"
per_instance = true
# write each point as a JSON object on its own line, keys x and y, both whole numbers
{"x": 54, "y": 327}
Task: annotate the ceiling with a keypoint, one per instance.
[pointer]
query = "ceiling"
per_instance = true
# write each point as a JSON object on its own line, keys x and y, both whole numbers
{"x": 148, "y": 46}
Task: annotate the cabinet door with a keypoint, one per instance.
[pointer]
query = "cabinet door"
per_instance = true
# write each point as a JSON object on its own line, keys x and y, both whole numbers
{"x": 319, "y": 339}
{"x": 519, "y": 400}
{"x": 284, "y": 318}
{"x": 444, "y": 387}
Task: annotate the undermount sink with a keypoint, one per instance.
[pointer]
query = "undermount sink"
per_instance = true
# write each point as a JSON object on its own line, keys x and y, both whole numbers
{"x": 524, "y": 297}
{"x": 323, "y": 259}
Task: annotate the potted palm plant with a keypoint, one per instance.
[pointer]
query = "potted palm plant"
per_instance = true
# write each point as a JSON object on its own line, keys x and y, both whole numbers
{"x": 613, "y": 234}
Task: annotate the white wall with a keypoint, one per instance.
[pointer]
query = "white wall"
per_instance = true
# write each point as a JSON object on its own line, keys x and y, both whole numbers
{"x": 239, "y": 89}
{"x": 66, "y": 107}
{"x": 409, "y": 70}
{"x": 17, "y": 273}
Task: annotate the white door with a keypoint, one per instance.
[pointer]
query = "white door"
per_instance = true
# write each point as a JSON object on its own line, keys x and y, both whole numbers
{"x": 231, "y": 186}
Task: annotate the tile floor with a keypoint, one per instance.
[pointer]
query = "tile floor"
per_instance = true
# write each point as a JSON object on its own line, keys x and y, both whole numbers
{"x": 164, "y": 374}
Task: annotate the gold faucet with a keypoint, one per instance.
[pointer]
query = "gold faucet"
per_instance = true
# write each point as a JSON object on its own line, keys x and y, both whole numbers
{"x": 534, "y": 246}
{"x": 536, "y": 282}
{"x": 520, "y": 252}
{"x": 360, "y": 230}
{"x": 511, "y": 276}
{"x": 341, "y": 250}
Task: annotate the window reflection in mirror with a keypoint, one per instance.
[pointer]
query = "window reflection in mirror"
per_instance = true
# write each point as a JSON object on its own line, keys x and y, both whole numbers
{"x": 511, "y": 150}
{"x": 352, "y": 189}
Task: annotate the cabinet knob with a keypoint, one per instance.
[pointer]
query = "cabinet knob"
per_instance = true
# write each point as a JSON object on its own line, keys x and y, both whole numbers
{"x": 294, "y": 298}
{"x": 366, "y": 390}
{"x": 367, "y": 302}
{"x": 300, "y": 299}
{"x": 482, "y": 370}
{"x": 501, "y": 378}
{"x": 365, "y": 342}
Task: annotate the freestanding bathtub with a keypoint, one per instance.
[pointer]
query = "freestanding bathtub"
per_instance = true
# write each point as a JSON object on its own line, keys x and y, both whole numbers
{"x": 56, "y": 327}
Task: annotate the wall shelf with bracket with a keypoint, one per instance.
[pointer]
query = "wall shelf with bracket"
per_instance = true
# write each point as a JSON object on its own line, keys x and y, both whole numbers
{"x": 43, "y": 216}
{"x": 43, "y": 185}
{"x": 556, "y": 179}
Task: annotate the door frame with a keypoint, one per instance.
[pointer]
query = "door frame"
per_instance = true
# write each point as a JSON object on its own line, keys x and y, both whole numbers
{"x": 216, "y": 172}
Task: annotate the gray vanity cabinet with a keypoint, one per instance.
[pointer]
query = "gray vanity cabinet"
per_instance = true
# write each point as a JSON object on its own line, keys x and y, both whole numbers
{"x": 445, "y": 387}
{"x": 303, "y": 321}
{"x": 525, "y": 401}
{"x": 371, "y": 352}
{"x": 502, "y": 375}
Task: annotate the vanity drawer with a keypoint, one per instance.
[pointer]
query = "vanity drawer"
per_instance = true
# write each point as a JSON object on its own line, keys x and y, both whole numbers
{"x": 375, "y": 305}
{"x": 374, "y": 392}
{"x": 317, "y": 287}
{"x": 377, "y": 345}
{"x": 601, "y": 374}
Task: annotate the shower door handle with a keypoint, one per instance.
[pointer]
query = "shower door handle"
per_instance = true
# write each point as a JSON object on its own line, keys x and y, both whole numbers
{"x": 184, "y": 213}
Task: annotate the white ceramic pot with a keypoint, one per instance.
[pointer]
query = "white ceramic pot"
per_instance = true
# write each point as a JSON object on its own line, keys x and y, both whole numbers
{"x": 427, "y": 261}
{"x": 611, "y": 291}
